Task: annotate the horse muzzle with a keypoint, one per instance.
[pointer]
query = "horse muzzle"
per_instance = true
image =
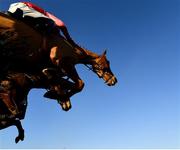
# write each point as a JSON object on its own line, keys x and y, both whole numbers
{"x": 66, "y": 105}
{"x": 110, "y": 81}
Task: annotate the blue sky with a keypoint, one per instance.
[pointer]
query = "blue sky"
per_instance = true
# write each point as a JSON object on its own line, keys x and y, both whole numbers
{"x": 143, "y": 109}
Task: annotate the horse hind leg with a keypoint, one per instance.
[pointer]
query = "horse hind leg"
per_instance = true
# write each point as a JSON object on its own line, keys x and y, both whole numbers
{"x": 7, "y": 123}
{"x": 7, "y": 97}
{"x": 9, "y": 102}
{"x": 20, "y": 136}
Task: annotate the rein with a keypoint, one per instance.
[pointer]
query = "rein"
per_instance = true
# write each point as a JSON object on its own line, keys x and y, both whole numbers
{"x": 97, "y": 68}
{"x": 89, "y": 67}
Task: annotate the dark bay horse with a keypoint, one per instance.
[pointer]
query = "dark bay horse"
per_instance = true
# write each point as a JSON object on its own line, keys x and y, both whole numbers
{"x": 16, "y": 87}
{"x": 22, "y": 48}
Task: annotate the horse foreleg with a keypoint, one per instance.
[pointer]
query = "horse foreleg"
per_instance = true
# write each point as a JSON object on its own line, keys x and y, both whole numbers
{"x": 78, "y": 82}
{"x": 7, "y": 123}
{"x": 79, "y": 85}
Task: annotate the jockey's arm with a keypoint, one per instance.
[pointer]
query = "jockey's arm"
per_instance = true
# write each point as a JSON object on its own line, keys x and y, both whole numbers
{"x": 60, "y": 24}
{"x": 69, "y": 39}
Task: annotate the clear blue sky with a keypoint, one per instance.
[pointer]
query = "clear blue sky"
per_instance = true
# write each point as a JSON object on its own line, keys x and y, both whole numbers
{"x": 143, "y": 109}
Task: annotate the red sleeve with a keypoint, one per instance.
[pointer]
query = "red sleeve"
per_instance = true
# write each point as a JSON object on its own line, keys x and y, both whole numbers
{"x": 37, "y": 8}
{"x": 57, "y": 21}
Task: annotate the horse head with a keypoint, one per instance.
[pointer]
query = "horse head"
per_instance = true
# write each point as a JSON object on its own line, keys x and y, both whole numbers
{"x": 101, "y": 66}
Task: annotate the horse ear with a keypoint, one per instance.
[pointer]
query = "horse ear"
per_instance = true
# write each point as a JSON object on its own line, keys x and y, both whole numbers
{"x": 105, "y": 51}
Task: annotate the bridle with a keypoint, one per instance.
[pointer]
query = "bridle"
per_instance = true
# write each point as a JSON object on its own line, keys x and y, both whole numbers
{"x": 97, "y": 68}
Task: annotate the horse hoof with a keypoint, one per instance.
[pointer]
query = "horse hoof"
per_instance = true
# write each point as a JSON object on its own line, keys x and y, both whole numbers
{"x": 19, "y": 137}
{"x": 66, "y": 106}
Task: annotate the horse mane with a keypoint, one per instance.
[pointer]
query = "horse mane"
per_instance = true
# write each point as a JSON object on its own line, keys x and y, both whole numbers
{"x": 90, "y": 54}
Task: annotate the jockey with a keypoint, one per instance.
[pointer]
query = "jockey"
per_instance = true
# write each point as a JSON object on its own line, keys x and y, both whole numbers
{"x": 31, "y": 10}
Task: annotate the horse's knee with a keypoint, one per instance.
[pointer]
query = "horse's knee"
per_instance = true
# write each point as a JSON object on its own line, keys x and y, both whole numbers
{"x": 80, "y": 85}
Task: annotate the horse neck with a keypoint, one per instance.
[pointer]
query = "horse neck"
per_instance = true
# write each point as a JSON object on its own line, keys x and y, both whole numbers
{"x": 89, "y": 57}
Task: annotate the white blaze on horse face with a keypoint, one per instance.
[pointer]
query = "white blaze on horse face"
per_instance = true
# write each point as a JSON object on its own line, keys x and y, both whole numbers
{"x": 100, "y": 73}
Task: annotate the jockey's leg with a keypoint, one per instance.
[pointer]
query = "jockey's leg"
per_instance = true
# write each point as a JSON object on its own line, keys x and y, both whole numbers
{"x": 43, "y": 25}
